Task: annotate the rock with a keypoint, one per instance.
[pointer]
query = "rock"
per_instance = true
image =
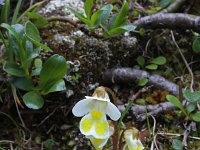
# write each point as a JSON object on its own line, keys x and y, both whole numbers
{"x": 60, "y": 8}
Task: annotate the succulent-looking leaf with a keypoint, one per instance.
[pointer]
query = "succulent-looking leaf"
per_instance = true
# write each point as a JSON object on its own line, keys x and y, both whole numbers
{"x": 141, "y": 61}
{"x": 13, "y": 69}
{"x": 196, "y": 45}
{"x": 106, "y": 13}
{"x": 191, "y": 107}
{"x": 159, "y": 60}
{"x": 121, "y": 29}
{"x": 23, "y": 83}
{"x": 53, "y": 70}
{"x": 33, "y": 100}
{"x": 142, "y": 81}
{"x": 152, "y": 66}
{"x": 177, "y": 144}
{"x": 191, "y": 96}
{"x": 175, "y": 101}
{"x": 57, "y": 86}
{"x": 10, "y": 29}
{"x": 32, "y": 34}
{"x": 32, "y": 31}
{"x": 196, "y": 116}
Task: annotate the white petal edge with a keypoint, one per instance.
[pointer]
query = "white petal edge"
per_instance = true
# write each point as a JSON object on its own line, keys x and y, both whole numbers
{"x": 81, "y": 108}
{"x": 112, "y": 111}
{"x": 97, "y": 98}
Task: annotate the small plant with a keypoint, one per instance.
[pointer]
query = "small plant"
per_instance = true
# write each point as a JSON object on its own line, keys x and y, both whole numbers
{"x": 112, "y": 25}
{"x": 196, "y": 44}
{"x": 152, "y": 64}
{"x": 23, "y": 65}
{"x": 190, "y": 110}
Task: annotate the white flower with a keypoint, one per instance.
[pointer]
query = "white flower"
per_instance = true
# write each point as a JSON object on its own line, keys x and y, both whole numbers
{"x": 98, "y": 102}
{"x": 132, "y": 141}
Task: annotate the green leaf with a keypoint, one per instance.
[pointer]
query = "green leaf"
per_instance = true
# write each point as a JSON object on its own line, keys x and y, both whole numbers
{"x": 196, "y": 45}
{"x": 191, "y": 96}
{"x": 32, "y": 31}
{"x": 33, "y": 100}
{"x": 159, "y": 60}
{"x": 152, "y": 66}
{"x": 30, "y": 52}
{"x": 38, "y": 67}
{"x": 38, "y": 63}
{"x": 14, "y": 18}
{"x": 106, "y": 13}
{"x": 121, "y": 17}
{"x": 23, "y": 83}
{"x": 95, "y": 19}
{"x": 128, "y": 27}
{"x": 14, "y": 69}
{"x": 191, "y": 107}
{"x": 141, "y": 61}
{"x": 57, "y": 86}
{"x": 119, "y": 30}
{"x": 88, "y": 8}
{"x": 38, "y": 20}
{"x": 80, "y": 16}
{"x": 53, "y": 70}
{"x": 48, "y": 144}
{"x": 11, "y": 30}
{"x": 19, "y": 30}
{"x": 142, "y": 81}
{"x": 196, "y": 116}
{"x": 32, "y": 34}
{"x": 5, "y": 11}
{"x": 177, "y": 144}
{"x": 165, "y": 3}
{"x": 175, "y": 101}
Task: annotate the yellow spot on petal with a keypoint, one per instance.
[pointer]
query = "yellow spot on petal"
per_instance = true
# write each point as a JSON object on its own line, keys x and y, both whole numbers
{"x": 139, "y": 148}
{"x": 96, "y": 115}
{"x": 101, "y": 127}
{"x": 86, "y": 124}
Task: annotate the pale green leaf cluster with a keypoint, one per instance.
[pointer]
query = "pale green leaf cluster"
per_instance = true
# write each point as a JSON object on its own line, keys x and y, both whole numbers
{"x": 112, "y": 24}
{"x": 152, "y": 64}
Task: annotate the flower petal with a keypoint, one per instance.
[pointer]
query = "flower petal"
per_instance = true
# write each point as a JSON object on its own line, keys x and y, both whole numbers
{"x": 86, "y": 125}
{"x": 112, "y": 111}
{"x": 82, "y": 107}
{"x": 100, "y": 143}
{"x": 90, "y": 126}
{"x": 98, "y": 98}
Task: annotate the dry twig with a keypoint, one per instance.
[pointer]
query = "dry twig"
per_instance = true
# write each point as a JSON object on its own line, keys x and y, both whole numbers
{"x": 130, "y": 76}
{"x": 185, "y": 61}
{"x": 169, "y": 20}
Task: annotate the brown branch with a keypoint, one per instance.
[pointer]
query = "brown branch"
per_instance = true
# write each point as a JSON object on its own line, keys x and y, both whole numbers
{"x": 169, "y": 20}
{"x": 174, "y": 6}
{"x": 130, "y": 76}
{"x": 139, "y": 111}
